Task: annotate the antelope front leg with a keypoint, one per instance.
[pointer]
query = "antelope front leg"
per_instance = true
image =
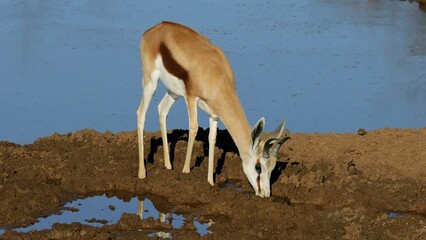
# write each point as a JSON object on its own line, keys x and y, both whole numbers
{"x": 191, "y": 103}
{"x": 212, "y": 143}
{"x": 148, "y": 91}
{"x": 163, "y": 110}
{"x": 141, "y": 123}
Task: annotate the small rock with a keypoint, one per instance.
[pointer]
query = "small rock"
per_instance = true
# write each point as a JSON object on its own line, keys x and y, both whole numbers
{"x": 94, "y": 220}
{"x": 221, "y": 179}
{"x": 83, "y": 232}
{"x": 164, "y": 235}
{"x": 73, "y": 209}
{"x": 55, "y": 201}
{"x": 351, "y": 165}
{"x": 362, "y": 132}
{"x": 382, "y": 217}
{"x": 111, "y": 207}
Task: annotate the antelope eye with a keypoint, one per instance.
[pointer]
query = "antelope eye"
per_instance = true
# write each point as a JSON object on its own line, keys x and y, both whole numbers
{"x": 258, "y": 168}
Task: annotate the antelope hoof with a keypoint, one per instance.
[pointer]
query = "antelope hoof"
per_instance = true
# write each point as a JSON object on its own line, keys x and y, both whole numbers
{"x": 211, "y": 182}
{"x": 142, "y": 174}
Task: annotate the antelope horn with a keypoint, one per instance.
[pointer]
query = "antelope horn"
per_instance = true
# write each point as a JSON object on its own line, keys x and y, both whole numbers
{"x": 277, "y": 132}
{"x": 278, "y": 145}
{"x": 267, "y": 146}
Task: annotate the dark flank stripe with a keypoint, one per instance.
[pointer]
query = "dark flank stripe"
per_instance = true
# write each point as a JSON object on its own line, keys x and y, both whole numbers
{"x": 170, "y": 63}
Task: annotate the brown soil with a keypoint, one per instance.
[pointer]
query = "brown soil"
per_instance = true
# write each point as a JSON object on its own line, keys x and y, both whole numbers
{"x": 328, "y": 186}
{"x": 422, "y": 4}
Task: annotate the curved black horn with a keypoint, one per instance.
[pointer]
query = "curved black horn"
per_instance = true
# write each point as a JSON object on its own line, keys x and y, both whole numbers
{"x": 278, "y": 145}
{"x": 267, "y": 146}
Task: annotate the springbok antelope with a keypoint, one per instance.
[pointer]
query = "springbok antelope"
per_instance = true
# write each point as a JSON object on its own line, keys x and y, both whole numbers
{"x": 192, "y": 67}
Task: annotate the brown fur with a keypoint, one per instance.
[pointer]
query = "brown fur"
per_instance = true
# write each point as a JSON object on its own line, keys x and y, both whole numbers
{"x": 204, "y": 69}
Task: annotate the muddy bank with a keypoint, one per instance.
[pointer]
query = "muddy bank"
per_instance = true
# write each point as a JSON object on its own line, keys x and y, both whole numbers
{"x": 338, "y": 186}
{"x": 422, "y": 4}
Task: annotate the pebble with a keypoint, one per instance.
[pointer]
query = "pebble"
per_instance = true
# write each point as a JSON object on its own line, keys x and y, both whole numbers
{"x": 362, "y": 132}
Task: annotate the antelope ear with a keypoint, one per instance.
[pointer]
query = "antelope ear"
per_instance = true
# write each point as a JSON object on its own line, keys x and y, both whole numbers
{"x": 256, "y": 132}
{"x": 277, "y": 133}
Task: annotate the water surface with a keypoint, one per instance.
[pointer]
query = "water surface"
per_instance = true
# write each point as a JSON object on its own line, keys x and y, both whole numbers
{"x": 326, "y": 66}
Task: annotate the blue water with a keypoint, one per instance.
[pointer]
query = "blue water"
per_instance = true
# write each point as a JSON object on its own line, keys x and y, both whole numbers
{"x": 98, "y": 207}
{"x": 326, "y": 66}
{"x": 394, "y": 215}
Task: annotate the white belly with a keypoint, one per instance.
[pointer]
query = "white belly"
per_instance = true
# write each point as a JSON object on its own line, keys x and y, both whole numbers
{"x": 172, "y": 83}
{"x": 177, "y": 86}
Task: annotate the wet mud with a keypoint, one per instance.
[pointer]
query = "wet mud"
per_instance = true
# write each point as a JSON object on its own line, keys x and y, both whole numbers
{"x": 361, "y": 185}
{"x": 422, "y": 4}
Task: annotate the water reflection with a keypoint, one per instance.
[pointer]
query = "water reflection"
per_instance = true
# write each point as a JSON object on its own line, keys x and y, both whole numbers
{"x": 146, "y": 210}
{"x": 324, "y": 65}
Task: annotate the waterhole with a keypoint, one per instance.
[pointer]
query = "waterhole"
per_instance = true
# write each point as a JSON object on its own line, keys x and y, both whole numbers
{"x": 100, "y": 210}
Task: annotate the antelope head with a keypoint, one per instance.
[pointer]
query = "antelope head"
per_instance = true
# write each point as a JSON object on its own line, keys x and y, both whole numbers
{"x": 262, "y": 158}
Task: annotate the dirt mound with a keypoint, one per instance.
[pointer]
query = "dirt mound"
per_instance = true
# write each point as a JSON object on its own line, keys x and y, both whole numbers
{"x": 338, "y": 186}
